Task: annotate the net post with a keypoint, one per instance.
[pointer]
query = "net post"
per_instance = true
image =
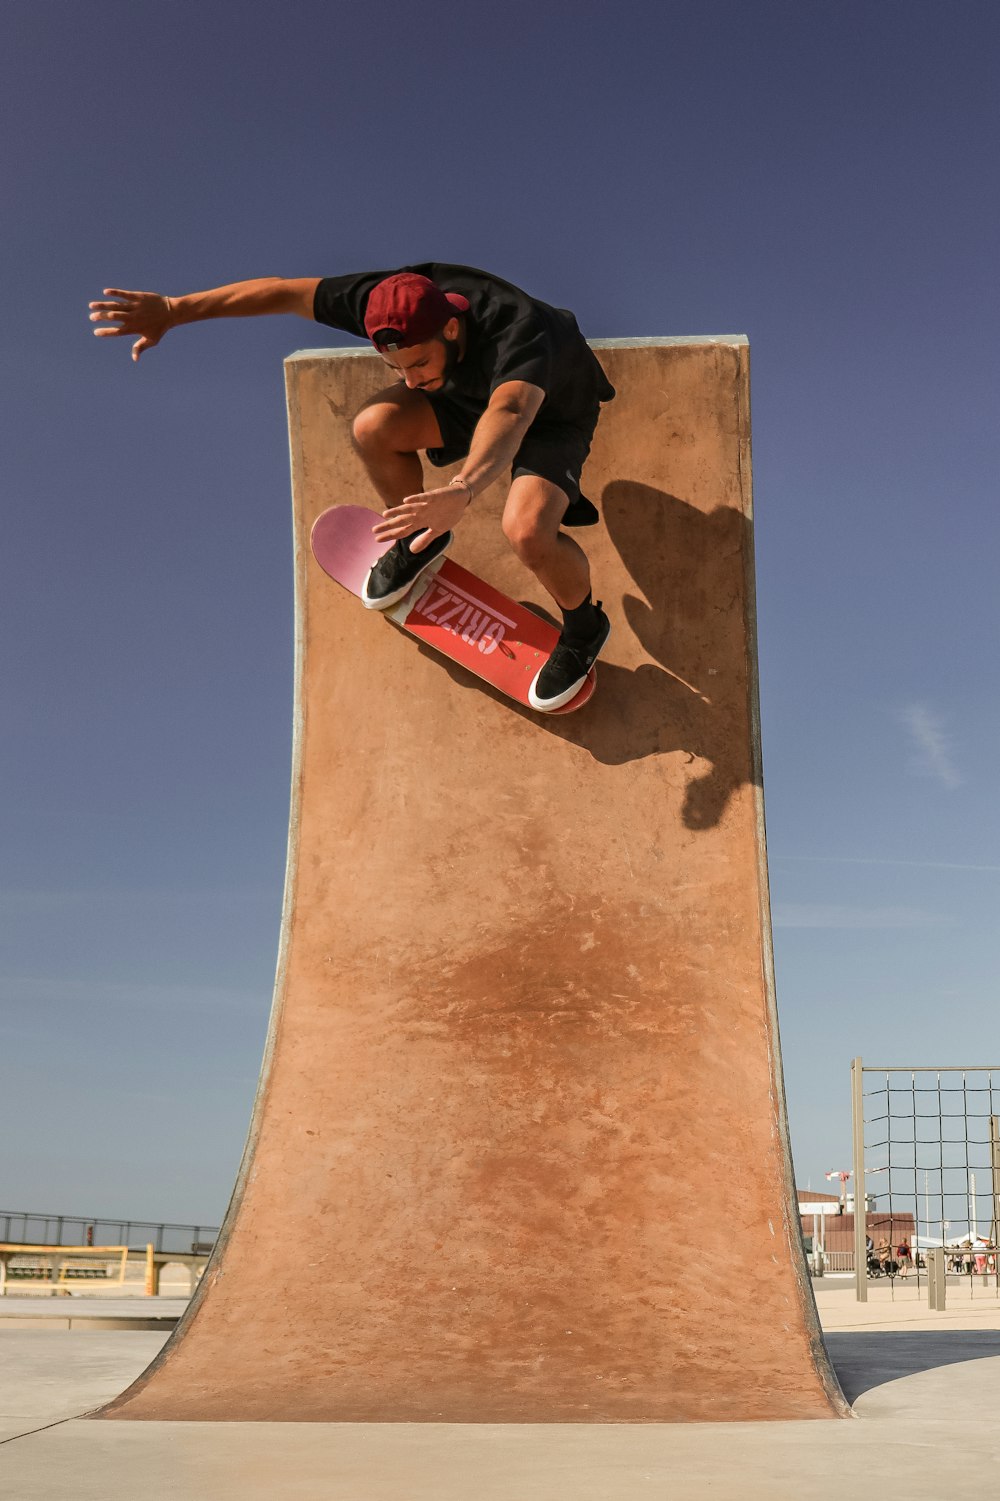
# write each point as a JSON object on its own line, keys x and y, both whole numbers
{"x": 994, "y": 1165}
{"x": 860, "y": 1201}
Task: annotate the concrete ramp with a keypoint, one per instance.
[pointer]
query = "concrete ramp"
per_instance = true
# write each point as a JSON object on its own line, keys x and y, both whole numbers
{"x": 519, "y": 1151}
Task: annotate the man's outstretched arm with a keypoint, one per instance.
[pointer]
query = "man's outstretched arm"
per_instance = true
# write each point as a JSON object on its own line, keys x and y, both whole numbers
{"x": 147, "y": 316}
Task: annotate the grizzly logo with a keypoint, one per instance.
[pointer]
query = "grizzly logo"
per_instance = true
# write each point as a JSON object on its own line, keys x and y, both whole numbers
{"x": 464, "y": 615}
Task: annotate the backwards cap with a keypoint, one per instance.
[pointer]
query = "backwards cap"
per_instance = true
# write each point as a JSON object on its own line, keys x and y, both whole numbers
{"x": 408, "y": 309}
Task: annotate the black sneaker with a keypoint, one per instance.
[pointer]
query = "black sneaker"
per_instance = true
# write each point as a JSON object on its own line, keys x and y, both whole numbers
{"x": 565, "y": 672}
{"x": 397, "y": 570}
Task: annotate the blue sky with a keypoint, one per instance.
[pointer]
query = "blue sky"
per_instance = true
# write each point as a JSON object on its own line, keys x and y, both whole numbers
{"x": 822, "y": 178}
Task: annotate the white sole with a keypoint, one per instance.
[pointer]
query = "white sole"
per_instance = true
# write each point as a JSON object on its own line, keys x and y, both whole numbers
{"x": 548, "y": 705}
{"x": 386, "y": 601}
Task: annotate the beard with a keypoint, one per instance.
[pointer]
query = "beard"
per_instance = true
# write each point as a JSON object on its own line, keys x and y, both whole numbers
{"x": 451, "y": 358}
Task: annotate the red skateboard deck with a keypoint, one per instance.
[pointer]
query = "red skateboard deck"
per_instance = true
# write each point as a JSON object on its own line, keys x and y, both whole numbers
{"x": 449, "y": 608}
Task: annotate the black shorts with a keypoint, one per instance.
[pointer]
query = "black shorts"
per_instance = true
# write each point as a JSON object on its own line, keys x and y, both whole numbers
{"x": 555, "y": 451}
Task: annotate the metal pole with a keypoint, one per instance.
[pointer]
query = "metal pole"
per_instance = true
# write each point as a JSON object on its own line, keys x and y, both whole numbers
{"x": 936, "y": 1279}
{"x": 860, "y": 1200}
{"x": 994, "y": 1159}
{"x": 940, "y": 1278}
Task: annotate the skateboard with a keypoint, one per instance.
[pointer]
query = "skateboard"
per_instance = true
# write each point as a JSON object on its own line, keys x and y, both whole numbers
{"x": 449, "y": 608}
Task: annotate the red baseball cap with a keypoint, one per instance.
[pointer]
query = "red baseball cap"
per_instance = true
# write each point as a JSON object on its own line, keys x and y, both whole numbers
{"x": 408, "y": 309}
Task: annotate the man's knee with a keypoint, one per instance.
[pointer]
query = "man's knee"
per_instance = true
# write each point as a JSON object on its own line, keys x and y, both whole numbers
{"x": 398, "y": 421}
{"x": 530, "y": 533}
{"x": 375, "y": 427}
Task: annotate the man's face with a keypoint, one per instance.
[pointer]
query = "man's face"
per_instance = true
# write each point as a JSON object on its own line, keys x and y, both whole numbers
{"x": 427, "y": 366}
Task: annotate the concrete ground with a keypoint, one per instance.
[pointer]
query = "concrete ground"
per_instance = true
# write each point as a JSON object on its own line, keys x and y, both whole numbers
{"x": 905, "y": 1306}
{"x": 47, "y": 1314}
{"x": 925, "y": 1389}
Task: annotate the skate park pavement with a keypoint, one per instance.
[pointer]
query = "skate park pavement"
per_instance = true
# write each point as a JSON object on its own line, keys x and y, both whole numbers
{"x": 924, "y": 1389}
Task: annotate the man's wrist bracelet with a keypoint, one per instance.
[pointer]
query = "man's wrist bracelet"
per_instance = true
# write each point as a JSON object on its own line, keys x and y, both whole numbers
{"x": 465, "y": 483}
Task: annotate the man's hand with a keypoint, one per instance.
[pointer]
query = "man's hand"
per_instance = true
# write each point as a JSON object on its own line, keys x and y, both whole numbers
{"x": 144, "y": 313}
{"x": 435, "y": 510}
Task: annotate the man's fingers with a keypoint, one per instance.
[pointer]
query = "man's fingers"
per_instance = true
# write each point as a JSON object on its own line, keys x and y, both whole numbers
{"x": 390, "y": 530}
{"x": 408, "y": 523}
{"x": 392, "y": 520}
{"x": 409, "y": 507}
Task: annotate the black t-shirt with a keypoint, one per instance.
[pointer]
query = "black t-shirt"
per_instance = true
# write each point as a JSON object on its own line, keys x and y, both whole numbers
{"x": 509, "y": 336}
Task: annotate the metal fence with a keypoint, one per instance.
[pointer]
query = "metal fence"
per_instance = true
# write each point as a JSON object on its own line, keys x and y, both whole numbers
{"x": 927, "y": 1155}
{"x": 833, "y": 1262}
{"x": 26, "y": 1228}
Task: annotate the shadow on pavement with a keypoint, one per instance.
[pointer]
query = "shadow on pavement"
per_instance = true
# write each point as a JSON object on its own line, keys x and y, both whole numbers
{"x": 866, "y": 1359}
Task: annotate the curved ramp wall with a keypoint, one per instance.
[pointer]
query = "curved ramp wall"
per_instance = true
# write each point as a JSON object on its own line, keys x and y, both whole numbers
{"x": 519, "y": 1151}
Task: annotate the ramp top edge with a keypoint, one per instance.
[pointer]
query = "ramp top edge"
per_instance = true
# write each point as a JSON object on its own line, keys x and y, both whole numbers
{"x": 732, "y": 340}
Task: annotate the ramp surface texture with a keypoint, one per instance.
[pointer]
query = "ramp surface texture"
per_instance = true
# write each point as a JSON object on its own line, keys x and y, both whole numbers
{"x": 519, "y": 1151}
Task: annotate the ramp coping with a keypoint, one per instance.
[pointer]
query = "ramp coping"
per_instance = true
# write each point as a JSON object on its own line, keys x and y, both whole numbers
{"x": 736, "y": 341}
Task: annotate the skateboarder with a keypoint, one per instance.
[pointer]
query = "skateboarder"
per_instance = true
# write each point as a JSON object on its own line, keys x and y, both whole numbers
{"x": 484, "y": 374}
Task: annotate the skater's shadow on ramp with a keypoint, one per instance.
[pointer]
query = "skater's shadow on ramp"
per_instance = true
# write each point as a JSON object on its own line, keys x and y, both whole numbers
{"x": 685, "y": 608}
{"x": 688, "y": 611}
{"x": 646, "y": 711}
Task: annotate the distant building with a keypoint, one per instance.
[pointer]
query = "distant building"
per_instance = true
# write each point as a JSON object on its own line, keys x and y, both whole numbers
{"x": 837, "y": 1230}
{"x": 811, "y": 1202}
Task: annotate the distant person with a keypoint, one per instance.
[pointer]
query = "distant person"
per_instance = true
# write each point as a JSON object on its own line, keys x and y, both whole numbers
{"x": 484, "y": 374}
{"x": 904, "y": 1256}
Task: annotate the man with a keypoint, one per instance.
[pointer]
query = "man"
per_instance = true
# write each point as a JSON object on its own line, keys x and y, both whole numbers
{"x": 484, "y": 374}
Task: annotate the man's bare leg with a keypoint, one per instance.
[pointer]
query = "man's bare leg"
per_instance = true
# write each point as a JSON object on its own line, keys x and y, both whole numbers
{"x": 388, "y": 432}
{"x": 531, "y": 520}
